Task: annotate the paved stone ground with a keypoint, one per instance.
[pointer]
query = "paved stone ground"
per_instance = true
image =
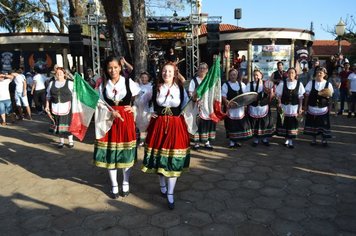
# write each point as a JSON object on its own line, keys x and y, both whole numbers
{"x": 248, "y": 191}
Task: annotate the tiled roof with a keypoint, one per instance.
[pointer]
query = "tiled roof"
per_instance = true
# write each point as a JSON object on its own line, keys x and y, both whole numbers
{"x": 222, "y": 28}
{"x": 329, "y": 47}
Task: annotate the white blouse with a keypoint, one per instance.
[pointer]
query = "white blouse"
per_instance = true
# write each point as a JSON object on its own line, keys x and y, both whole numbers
{"x": 289, "y": 109}
{"x": 318, "y": 86}
{"x": 257, "y": 111}
{"x": 117, "y": 92}
{"x": 234, "y": 113}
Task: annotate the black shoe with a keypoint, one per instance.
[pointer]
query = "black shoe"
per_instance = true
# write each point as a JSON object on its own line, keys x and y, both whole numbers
{"x": 254, "y": 144}
{"x": 114, "y": 195}
{"x": 291, "y": 146}
{"x": 238, "y": 145}
{"x": 339, "y": 113}
{"x": 125, "y": 194}
{"x": 325, "y": 144}
{"x": 163, "y": 194}
{"x": 313, "y": 143}
{"x": 71, "y": 145}
{"x": 60, "y": 145}
{"x": 349, "y": 115}
{"x": 266, "y": 143}
{"x": 170, "y": 204}
{"x": 196, "y": 147}
{"x": 209, "y": 147}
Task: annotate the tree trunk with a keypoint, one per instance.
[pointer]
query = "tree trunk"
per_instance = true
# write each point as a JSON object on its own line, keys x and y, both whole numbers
{"x": 140, "y": 44}
{"x": 116, "y": 28}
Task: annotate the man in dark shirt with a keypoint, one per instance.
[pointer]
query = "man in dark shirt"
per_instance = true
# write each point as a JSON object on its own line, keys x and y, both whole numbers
{"x": 344, "y": 87}
{"x": 279, "y": 74}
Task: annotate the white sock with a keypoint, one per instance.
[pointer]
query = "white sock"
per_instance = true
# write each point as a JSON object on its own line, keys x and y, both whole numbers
{"x": 171, "y": 185}
{"x": 286, "y": 142}
{"x": 256, "y": 140}
{"x": 232, "y": 143}
{"x": 290, "y": 142}
{"x": 61, "y": 140}
{"x": 113, "y": 179}
{"x": 162, "y": 183}
{"x": 70, "y": 138}
{"x": 207, "y": 143}
{"x": 265, "y": 140}
{"x": 125, "y": 180}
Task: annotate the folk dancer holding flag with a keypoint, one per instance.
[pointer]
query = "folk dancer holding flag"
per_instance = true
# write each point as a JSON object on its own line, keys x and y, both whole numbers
{"x": 237, "y": 124}
{"x": 167, "y": 151}
{"x": 59, "y": 106}
{"x": 117, "y": 149}
{"x": 259, "y": 111}
{"x": 318, "y": 106}
{"x": 206, "y": 126}
{"x": 290, "y": 94}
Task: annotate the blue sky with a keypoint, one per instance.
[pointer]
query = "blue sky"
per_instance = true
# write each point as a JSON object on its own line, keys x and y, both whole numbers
{"x": 278, "y": 13}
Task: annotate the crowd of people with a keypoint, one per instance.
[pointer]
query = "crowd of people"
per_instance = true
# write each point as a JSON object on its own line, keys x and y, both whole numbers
{"x": 154, "y": 110}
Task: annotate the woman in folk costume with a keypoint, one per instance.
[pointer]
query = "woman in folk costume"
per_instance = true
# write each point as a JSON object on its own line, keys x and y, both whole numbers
{"x": 259, "y": 111}
{"x": 117, "y": 149}
{"x": 317, "y": 104}
{"x": 236, "y": 122}
{"x": 206, "y": 127}
{"x": 289, "y": 93}
{"x": 59, "y": 106}
{"x": 167, "y": 150}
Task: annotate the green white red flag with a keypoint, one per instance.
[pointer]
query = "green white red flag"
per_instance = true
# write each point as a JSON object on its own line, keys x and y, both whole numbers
{"x": 84, "y": 102}
{"x": 209, "y": 94}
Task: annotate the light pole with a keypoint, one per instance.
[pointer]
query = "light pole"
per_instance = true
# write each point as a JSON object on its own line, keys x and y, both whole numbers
{"x": 340, "y": 31}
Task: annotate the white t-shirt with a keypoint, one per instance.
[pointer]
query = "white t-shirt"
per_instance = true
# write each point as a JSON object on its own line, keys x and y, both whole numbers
{"x": 4, "y": 89}
{"x": 19, "y": 80}
{"x": 352, "y": 79}
{"x": 40, "y": 80}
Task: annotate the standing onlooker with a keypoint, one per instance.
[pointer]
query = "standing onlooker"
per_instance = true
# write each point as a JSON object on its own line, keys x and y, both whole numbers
{"x": 29, "y": 82}
{"x": 259, "y": 111}
{"x": 89, "y": 77}
{"x": 21, "y": 94}
{"x": 206, "y": 127}
{"x": 317, "y": 107}
{"x": 340, "y": 64}
{"x": 39, "y": 91}
{"x": 312, "y": 71}
{"x": 304, "y": 77}
{"x": 344, "y": 92}
{"x": 117, "y": 149}
{"x": 243, "y": 67}
{"x": 352, "y": 91}
{"x": 278, "y": 75}
{"x": 237, "y": 124}
{"x": 167, "y": 151}
{"x": 290, "y": 100}
{"x": 127, "y": 68}
{"x": 335, "y": 82}
{"x": 59, "y": 104}
{"x": 5, "y": 99}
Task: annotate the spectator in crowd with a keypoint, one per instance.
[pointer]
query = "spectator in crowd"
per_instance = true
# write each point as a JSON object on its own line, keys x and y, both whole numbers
{"x": 29, "y": 82}
{"x": 278, "y": 75}
{"x": 39, "y": 91}
{"x": 5, "y": 99}
{"x": 304, "y": 77}
{"x": 352, "y": 91}
{"x": 243, "y": 67}
{"x": 335, "y": 82}
{"x": 340, "y": 64}
{"x": 127, "y": 68}
{"x": 344, "y": 92}
{"x": 312, "y": 71}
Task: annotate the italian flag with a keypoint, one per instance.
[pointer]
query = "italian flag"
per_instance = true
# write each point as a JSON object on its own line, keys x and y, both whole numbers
{"x": 85, "y": 100}
{"x": 209, "y": 93}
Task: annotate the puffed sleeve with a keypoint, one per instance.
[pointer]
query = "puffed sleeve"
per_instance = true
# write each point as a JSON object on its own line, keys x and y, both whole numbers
{"x": 301, "y": 91}
{"x": 308, "y": 87}
{"x": 191, "y": 87}
{"x": 279, "y": 89}
{"x": 48, "y": 96}
{"x": 134, "y": 87}
{"x": 224, "y": 90}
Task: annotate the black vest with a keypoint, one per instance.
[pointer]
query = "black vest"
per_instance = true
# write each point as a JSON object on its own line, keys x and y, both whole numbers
{"x": 232, "y": 93}
{"x": 159, "y": 109}
{"x": 260, "y": 95}
{"x": 290, "y": 96}
{"x": 60, "y": 95}
{"x": 315, "y": 100}
{"x": 125, "y": 101}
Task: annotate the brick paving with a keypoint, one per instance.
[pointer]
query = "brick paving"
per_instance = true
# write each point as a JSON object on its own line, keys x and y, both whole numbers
{"x": 248, "y": 191}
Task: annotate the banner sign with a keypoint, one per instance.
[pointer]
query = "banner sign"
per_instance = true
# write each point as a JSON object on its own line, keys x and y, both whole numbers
{"x": 42, "y": 62}
{"x": 9, "y": 61}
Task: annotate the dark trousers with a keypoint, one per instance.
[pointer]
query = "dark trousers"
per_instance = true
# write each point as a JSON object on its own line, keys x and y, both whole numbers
{"x": 343, "y": 98}
{"x": 39, "y": 97}
{"x": 353, "y": 103}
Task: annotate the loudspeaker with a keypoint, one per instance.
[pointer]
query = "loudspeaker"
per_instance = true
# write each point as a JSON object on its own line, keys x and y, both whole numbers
{"x": 76, "y": 48}
{"x": 213, "y": 47}
{"x": 213, "y": 32}
{"x": 238, "y": 13}
{"x": 75, "y": 33}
